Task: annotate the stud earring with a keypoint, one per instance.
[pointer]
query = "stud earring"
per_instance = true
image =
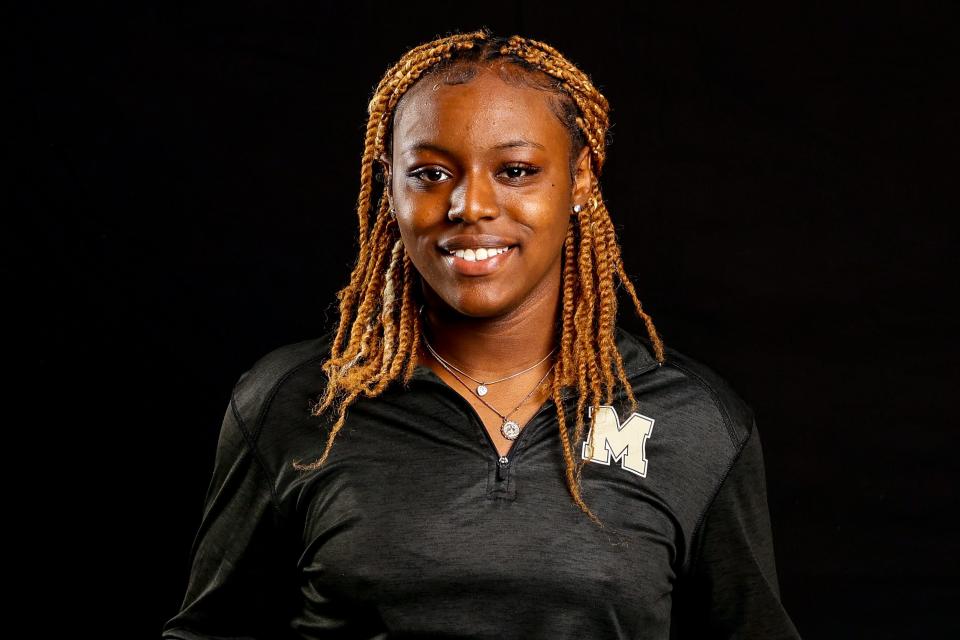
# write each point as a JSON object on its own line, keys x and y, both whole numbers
{"x": 577, "y": 208}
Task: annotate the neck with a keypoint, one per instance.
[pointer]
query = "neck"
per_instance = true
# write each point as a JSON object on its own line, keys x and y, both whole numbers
{"x": 492, "y": 347}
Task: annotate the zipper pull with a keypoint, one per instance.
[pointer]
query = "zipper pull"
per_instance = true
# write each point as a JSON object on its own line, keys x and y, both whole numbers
{"x": 502, "y": 465}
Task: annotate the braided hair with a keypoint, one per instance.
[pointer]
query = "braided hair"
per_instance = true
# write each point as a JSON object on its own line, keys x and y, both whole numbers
{"x": 378, "y": 337}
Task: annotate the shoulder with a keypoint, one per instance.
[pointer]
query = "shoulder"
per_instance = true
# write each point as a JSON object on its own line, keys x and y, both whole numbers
{"x": 720, "y": 395}
{"x": 271, "y": 376}
{"x": 698, "y": 427}
{"x": 685, "y": 381}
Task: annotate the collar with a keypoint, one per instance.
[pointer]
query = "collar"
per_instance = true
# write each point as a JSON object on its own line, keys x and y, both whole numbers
{"x": 636, "y": 351}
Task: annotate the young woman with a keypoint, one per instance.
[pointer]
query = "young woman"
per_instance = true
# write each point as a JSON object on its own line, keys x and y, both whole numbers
{"x": 509, "y": 462}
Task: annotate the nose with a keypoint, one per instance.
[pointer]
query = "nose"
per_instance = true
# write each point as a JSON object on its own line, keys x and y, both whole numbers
{"x": 474, "y": 198}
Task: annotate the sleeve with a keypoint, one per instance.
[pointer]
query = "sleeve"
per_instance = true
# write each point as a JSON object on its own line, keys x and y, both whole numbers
{"x": 732, "y": 587}
{"x": 234, "y": 588}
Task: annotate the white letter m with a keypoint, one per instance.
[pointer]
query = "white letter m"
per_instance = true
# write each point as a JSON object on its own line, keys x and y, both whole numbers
{"x": 626, "y": 443}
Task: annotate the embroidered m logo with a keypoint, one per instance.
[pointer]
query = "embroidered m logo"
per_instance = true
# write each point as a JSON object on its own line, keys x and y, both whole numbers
{"x": 626, "y": 443}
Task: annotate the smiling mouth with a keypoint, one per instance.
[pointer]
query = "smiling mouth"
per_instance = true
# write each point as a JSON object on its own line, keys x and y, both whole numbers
{"x": 480, "y": 254}
{"x": 467, "y": 262}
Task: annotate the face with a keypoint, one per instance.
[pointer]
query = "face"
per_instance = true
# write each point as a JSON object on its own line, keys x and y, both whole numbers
{"x": 484, "y": 166}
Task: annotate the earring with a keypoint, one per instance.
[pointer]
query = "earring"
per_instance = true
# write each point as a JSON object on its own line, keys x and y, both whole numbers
{"x": 577, "y": 208}
{"x": 393, "y": 212}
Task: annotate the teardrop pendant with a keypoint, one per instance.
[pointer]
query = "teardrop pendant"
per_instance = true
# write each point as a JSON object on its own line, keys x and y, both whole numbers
{"x": 510, "y": 429}
{"x": 482, "y": 390}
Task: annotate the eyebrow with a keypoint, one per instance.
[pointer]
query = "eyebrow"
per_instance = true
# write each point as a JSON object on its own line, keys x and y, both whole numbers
{"x": 429, "y": 146}
{"x": 519, "y": 143}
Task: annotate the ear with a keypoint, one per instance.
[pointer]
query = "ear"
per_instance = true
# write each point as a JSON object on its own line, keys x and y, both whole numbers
{"x": 384, "y": 160}
{"x": 583, "y": 178}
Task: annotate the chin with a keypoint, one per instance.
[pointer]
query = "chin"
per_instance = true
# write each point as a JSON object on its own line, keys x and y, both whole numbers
{"x": 470, "y": 304}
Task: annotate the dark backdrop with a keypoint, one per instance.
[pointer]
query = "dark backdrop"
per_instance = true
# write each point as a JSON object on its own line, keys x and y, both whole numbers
{"x": 188, "y": 181}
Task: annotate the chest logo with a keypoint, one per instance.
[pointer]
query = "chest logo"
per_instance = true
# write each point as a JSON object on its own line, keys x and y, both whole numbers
{"x": 609, "y": 439}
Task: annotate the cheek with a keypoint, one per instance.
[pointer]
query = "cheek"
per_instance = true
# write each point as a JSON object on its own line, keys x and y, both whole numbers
{"x": 542, "y": 203}
{"x": 547, "y": 219}
{"x": 410, "y": 234}
{"x": 417, "y": 240}
{"x": 559, "y": 235}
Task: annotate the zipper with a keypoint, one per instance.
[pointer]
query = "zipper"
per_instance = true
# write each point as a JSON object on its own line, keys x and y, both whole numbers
{"x": 502, "y": 465}
{"x": 502, "y": 462}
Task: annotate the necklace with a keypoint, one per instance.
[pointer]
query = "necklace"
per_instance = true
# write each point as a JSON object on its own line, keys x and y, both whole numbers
{"x": 482, "y": 387}
{"x": 509, "y": 428}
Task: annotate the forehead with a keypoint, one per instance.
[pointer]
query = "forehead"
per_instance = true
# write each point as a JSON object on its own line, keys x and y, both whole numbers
{"x": 480, "y": 114}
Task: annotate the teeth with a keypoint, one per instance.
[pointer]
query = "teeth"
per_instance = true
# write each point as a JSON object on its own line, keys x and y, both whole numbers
{"x": 480, "y": 254}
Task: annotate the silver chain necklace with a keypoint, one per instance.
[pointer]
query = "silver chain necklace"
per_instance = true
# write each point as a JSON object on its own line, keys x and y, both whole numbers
{"x": 508, "y": 428}
{"x": 482, "y": 387}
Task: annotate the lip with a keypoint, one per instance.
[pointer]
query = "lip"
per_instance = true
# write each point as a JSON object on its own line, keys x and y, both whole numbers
{"x": 478, "y": 267}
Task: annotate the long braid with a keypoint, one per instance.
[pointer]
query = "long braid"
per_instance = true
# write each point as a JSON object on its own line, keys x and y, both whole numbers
{"x": 411, "y": 320}
{"x": 378, "y": 335}
{"x": 608, "y": 308}
{"x": 586, "y": 351}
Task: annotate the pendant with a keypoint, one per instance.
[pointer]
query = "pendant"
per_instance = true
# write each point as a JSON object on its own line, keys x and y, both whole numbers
{"x": 510, "y": 430}
{"x": 482, "y": 390}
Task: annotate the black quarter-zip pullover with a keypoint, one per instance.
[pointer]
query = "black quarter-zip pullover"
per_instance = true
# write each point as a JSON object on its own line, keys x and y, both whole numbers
{"x": 416, "y": 527}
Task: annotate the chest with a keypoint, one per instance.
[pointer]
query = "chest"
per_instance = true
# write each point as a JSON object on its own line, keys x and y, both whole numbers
{"x": 418, "y": 519}
{"x": 503, "y": 409}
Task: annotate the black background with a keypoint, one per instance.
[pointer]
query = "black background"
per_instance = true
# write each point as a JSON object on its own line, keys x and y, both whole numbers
{"x": 187, "y": 188}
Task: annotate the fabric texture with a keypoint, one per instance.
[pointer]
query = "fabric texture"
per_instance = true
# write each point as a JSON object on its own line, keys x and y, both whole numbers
{"x": 417, "y": 528}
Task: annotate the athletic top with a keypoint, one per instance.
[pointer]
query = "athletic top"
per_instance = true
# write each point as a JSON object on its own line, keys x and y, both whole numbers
{"x": 416, "y": 527}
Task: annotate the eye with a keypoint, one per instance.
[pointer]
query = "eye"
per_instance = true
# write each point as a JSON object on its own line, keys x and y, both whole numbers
{"x": 519, "y": 171}
{"x": 428, "y": 175}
